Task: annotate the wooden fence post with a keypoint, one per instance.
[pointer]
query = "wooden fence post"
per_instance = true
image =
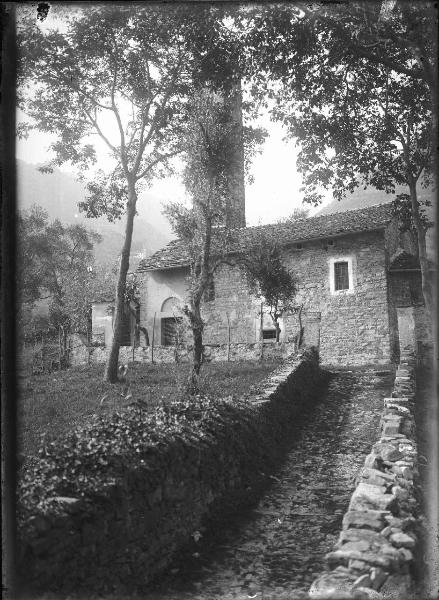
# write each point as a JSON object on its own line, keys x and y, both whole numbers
{"x": 59, "y": 347}
{"x": 153, "y": 336}
{"x": 228, "y": 337}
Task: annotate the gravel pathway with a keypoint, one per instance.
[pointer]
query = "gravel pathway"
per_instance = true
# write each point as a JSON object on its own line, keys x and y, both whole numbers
{"x": 276, "y": 550}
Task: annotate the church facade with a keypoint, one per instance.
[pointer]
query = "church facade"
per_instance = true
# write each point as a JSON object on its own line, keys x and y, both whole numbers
{"x": 359, "y": 289}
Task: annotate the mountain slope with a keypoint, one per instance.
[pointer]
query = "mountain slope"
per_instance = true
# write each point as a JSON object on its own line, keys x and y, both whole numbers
{"x": 359, "y": 199}
{"x": 59, "y": 194}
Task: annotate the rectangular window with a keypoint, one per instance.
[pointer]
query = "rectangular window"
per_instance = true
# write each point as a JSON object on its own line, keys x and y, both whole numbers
{"x": 341, "y": 276}
{"x": 269, "y": 334}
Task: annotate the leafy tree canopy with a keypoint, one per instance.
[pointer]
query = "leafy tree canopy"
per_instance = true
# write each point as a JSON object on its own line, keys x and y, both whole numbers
{"x": 356, "y": 85}
{"x": 51, "y": 253}
{"x": 118, "y": 73}
{"x": 269, "y": 278}
{"x": 349, "y": 88}
{"x": 56, "y": 263}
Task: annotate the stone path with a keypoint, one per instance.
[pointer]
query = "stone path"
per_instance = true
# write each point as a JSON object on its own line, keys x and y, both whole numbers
{"x": 276, "y": 550}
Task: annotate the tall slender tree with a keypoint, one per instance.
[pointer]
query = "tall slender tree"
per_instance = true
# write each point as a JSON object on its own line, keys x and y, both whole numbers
{"x": 206, "y": 228}
{"x": 121, "y": 74}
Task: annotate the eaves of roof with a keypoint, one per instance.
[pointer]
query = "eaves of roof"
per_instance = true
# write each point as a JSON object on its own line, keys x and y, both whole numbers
{"x": 369, "y": 219}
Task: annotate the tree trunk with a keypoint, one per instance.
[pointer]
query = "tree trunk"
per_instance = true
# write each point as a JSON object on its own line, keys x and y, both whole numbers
{"x": 194, "y": 314}
{"x": 113, "y": 357}
{"x": 197, "y": 325}
{"x": 300, "y": 336}
{"x": 427, "y": 290}
{"x": 276, "y": 326}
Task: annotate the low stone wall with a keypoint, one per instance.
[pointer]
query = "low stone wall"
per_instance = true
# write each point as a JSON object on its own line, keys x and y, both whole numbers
{"x": 374, "y": 556}
{"x": 133, "y": 500}
{"x": 82, "y": 353}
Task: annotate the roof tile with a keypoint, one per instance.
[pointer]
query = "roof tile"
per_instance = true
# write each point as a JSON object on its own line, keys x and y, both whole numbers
{"x": 365, "y": 219}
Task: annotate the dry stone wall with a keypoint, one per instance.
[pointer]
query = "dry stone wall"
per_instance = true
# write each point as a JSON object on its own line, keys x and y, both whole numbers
{"x": 148, "y": 498}
{"x": 374, "y": 558}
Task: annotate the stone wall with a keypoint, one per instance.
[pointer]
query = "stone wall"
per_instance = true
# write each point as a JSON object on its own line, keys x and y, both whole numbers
{"x": 352, "y": 326}
{"x": 121, "y": 535}
{"x": 406, "y": 288}
{"x": 82, "y": 353}
{"x": 405, "y": 297}
{"x": 374, "y": 557}
{"x": 233, "y": 300}
{"x": 396, "y": 239}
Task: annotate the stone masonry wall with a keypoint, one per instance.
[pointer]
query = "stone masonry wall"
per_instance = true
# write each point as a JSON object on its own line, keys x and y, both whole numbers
{"x": 354, "y": 325}
{"x": 123, "y": 534}
{"x": 405, "y": 291}
{"x": 83, "y": 354}
{"x": 232, "y": 298}
{"x": 374, "y": 558}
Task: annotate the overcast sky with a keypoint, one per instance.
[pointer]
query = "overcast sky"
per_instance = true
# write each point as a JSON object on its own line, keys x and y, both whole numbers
{"x": 273, "y": 195}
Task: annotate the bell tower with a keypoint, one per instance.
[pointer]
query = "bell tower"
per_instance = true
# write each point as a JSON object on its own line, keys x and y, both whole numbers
{"x": 235, "y": 211}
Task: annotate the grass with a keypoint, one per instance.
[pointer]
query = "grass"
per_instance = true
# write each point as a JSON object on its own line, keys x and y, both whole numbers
{"x": 53, "y": 404}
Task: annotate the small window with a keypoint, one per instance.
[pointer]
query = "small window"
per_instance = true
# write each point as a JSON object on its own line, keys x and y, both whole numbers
{"x": 341, "y": 276}
{"x": 269, "y": 334}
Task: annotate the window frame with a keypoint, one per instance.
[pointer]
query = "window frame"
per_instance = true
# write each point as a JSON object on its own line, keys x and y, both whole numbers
{"x": 332, "y": 262}
{"x": 271, "y": 338}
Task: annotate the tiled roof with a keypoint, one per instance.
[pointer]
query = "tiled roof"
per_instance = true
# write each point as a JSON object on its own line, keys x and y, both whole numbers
{"x": 352, "y": 221}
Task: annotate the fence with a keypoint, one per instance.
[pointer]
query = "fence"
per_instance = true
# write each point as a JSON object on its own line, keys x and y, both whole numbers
{"x": 82, "y": 353}
{"x": 44, "y": 357}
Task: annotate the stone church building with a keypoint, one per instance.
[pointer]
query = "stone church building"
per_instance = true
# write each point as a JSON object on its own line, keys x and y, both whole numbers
{"x": 358, "y": 282}
{"x": 358, "y": 278}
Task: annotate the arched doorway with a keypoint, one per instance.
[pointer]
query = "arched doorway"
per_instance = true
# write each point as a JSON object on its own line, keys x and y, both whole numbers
{"x": 171, "y": 322}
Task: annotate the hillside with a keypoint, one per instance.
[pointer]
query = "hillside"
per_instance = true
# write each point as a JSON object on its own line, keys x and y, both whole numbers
{"x": 359, "y": 199}
{"x": 59, "y": 193}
